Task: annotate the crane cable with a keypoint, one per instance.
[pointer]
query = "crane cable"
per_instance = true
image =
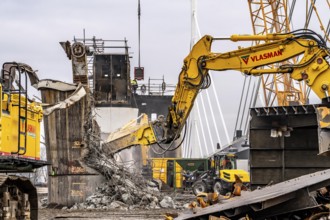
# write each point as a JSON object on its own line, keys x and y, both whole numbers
{"x": 240, "y": 105}
{"x": 291, "y": 11}
{"x": 309, "y": 13}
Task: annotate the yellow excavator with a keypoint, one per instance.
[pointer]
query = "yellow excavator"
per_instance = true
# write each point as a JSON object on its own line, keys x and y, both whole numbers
{"x": 313, "y": 68}
{"x": 20, "y": 119}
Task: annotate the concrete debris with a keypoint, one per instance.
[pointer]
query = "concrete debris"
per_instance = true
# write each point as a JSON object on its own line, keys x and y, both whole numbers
{"x": 43, "y": 201}
{"x": 167, "y": 202}
{"x": 91, "y": 206}
{"x": 116, "y": 204}
{"x": 152, "y": 184}
{"x": 123, "y": 189}
{"x": 126, "y": 198}
{"x": 110, "y": 196}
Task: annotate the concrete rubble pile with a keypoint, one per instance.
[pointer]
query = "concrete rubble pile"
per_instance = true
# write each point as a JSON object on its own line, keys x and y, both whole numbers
{"x": 122, "y": 189}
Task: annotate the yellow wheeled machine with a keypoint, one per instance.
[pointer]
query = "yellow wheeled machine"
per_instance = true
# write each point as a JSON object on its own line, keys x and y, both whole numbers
{"x": 221, "y": 176}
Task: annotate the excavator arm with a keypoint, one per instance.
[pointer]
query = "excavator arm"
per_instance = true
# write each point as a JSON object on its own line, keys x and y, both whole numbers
{"x": 313, "y": 68}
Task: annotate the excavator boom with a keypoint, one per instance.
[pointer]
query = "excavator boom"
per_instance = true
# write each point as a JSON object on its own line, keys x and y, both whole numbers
{"x": 313, "y": 68}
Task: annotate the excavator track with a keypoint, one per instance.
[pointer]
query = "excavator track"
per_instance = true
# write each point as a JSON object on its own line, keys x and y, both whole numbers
{"x": 18, "y": 198}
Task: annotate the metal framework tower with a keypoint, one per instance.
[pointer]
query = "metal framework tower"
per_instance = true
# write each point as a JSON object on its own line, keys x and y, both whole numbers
{"x": 271, "y": 16}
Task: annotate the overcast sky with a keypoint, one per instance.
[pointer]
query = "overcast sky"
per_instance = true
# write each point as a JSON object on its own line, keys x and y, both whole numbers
{"x": 31, "y": 30}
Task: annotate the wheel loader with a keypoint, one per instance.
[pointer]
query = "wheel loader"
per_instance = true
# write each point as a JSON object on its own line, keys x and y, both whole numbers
{"x": 221, "y": 175}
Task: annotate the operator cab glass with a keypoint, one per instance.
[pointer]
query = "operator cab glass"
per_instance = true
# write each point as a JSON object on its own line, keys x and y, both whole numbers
{"x": 228, "y": 162}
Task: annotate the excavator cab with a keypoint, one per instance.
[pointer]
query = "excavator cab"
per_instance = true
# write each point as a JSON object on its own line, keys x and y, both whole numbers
{"x": 20, "y": 120}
